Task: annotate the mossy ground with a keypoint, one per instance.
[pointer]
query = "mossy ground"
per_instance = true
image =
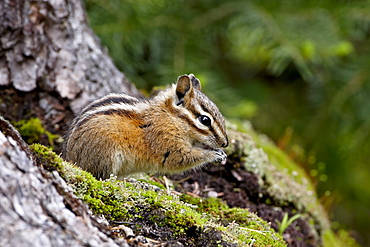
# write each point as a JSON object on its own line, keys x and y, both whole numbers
{"x": 153, "y": 213}
{"x": 192, "y": 221}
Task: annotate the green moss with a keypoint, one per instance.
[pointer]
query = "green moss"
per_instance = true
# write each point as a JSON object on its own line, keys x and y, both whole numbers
{"x": 32, "y": 130}
{"x": 245, "y": 225}
{"x": 205, "y": 220}
{"x": 210, "y": 205}
{"x": 103, "y": 197}
{"x": 159, "y": 185}
{"x": 46, "y": 157}
{"x": 208, "y": 220}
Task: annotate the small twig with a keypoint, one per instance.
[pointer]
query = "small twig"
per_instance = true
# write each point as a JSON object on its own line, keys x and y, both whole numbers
{"x": 196, "y": 188}
{"x": 166, "y": 183}
{"x": 192, "y": 194}
{"x": 253, "y": 240}
{"x": 182, "y": 180}
{"x": 252, "y": 230}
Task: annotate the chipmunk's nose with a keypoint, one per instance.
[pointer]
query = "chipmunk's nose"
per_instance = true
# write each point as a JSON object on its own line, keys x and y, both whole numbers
{"x": 226, "y": 143}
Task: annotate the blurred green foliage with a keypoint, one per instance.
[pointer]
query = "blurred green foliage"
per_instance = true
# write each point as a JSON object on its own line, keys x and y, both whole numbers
{"x": 299, "y": 70}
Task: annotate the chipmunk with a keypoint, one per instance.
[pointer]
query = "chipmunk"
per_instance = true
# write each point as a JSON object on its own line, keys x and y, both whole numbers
{"x": 176, "y": 130}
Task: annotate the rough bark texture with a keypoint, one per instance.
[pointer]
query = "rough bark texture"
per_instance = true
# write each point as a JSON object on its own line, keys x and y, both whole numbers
{"x": 36, "y": 207}
{"x": 51, "y": 65}
{"x": 47, "y": 46}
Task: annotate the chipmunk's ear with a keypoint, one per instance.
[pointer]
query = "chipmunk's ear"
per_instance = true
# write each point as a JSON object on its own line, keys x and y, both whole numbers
{"x": 195, "y": 82}
{"x": 183, "y": 87}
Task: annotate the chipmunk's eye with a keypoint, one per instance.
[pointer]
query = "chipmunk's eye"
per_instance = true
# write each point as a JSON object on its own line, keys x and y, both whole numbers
{"x": 205, "y": 120}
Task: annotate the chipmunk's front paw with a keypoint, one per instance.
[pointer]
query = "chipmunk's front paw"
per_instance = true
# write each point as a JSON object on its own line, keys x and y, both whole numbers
{"x": 220, "y": 156}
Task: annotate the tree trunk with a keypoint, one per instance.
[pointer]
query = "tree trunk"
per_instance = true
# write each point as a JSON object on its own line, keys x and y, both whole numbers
{"x": 37, "y": 208}
{"x": 51, "y": 65}
{"x": 47, "y": 48}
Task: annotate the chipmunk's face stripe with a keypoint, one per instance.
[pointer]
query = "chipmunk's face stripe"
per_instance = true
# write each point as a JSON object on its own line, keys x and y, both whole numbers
{"x": 204, "y": 108}
{"x": 192, "y": 125}
{"x": 217, "y": 127}
{"x": 192, "y": 108}
{"x": 189, "y": 113}
{"x": 213, "y": 110}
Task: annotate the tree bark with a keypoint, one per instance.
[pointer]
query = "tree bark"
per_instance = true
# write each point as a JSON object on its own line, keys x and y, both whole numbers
{"x": 47, "y": 46}
{"x": 51, "y": 66}
{"x": 37, "y": 208}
